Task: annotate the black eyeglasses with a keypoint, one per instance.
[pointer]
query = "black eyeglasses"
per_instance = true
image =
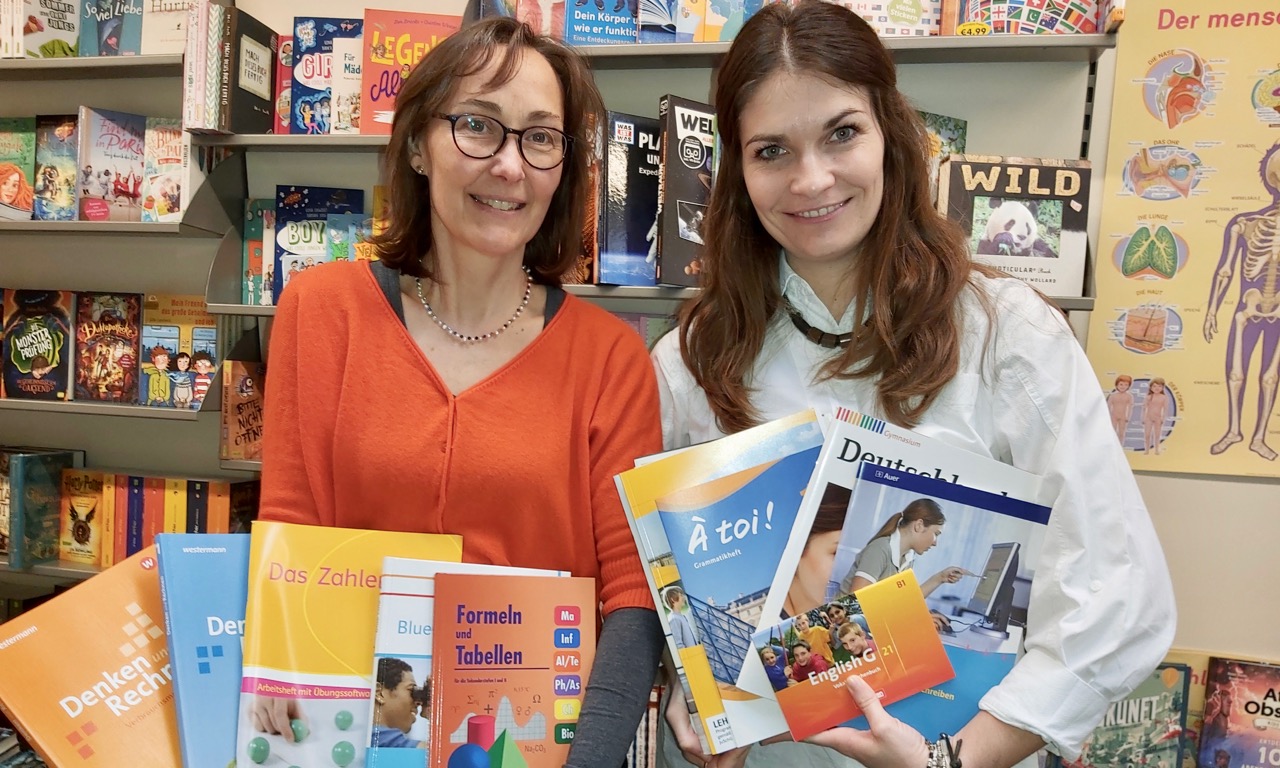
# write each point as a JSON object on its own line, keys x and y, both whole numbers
{"x": 482, "y": 137}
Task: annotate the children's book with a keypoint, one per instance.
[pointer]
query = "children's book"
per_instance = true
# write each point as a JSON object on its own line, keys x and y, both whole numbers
{"x": 242, "y": 414}
{"x": 311, "y": 92}
{"x": 112, "y": 165}
{"x": 891, "y": 644}
{"x": 338, "y": 231}
{"x": 403, "y": 646}
{"x": 33, "y": 482}
{"x": 111, "y": 27}
{"x": 88, "y": 511}
{"x": 39, "y": 344}
{"x": 309, "y": 634}
{"x": 394, "y": 43}
{"x": 259, "y": 249}
{"x": 1012, "y": 17}
{"x": 1146, "y": 727}
{"x": 57, "y": 152}
{"x": 347, "y": 61}
{"x": 163, "y": 164}
{"x": 1241, "y": 714}
{"x": 946, "y": 137}
{"x": 17, "y": 167}
{"x": 205, "y": 627}
{"x": 108, "y": 701}
{"x": 629, "y": 201}
{"x": 164, "y": 26}
{"x": 51, "y": 30}
{"x": 511, "y": 656}
{"x": 301, "y": 223}
{"x": 725, "y": 715}
{"x": 1025, "y": 215}
{"x": 601, "y": 22}
{"x": 108, "y": 337}
{"x": 684, "y": 187}
{"x": 179, "y": 340}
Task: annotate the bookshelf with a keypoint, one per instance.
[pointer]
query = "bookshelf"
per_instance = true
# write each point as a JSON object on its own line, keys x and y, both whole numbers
{"x": 45, "y": 573}
{"x": 91, "y": 68}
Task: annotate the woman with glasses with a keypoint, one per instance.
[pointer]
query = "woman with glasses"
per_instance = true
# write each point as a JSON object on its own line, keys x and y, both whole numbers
{"x": 453, "y": 386}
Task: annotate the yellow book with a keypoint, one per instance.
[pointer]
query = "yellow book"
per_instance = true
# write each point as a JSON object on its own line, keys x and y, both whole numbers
{"x": 175, "y": 505}
{"x": 81, "y": 531}
{"x": 309, "y": 633}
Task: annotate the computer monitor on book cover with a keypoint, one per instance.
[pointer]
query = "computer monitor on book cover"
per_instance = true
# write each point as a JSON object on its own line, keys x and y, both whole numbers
{"x": 993, "y": 596}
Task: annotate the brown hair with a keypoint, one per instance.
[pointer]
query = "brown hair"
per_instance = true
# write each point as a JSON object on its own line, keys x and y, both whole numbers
{"x": 913, "y": 263}
{"x": 850, "y": 628}
{"x": 406, "y": 244}
{"x": 920, "y": 509}
{"x": 1124, "y": 378}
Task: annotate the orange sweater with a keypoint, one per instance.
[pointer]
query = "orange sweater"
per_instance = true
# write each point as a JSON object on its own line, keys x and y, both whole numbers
{"x": 360, "y": 432}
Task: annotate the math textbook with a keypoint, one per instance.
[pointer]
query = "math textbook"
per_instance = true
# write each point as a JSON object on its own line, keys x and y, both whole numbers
{"x": 510, "y": 656}
{"x": 397, "y": 735}
{"x": 205, "y": 630}
{"x": 108, "y": 699}
{"x": 309, "y": 631}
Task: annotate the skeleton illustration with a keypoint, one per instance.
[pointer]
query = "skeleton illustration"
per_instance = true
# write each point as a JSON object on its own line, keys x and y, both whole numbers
{"x": 1251, "y": 244}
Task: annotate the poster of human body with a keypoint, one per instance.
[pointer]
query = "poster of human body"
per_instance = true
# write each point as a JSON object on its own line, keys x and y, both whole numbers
{"x": 1185, "y": 333}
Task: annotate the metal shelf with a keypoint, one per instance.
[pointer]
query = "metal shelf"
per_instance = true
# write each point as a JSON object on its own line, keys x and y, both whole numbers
{"x": 291, "y": 142}
{"x": 242, "y": 465}
{"x": 953, "y": 49}
{"x": 243, "y": 310}
{"x": 95, "y": 228}
{"x": 99, "y": 409}
{"x": 51, "y": 570}
{"x": 663, "y": 293}
{"x": 91, "y": 68}
{"x": 1074, "y": 304}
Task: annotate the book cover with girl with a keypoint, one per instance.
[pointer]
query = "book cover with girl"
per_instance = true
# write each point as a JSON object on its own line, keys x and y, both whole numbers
{"x": 112, "y": 165}
{"x": 17, "y": 167}
{"x": 57, "y": 153}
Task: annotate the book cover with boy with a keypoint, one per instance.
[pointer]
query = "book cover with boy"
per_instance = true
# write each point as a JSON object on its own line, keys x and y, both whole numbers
{"x": 39, "y": 344}
{"x": 309, "y": 633}
{"x": 178, "y": 333}
{"x": 1241, "y": 714}
{"x": 510, "y": 660}
{"x": 205, "y": 629}
{"x": 892, "y": 645}
{"x": 301, "y": 223}
{"x": 402, "y": 651}
{"x": 108, "y": 338}
{"x": 105, "y": 703}
{"x": 57, "y": 166}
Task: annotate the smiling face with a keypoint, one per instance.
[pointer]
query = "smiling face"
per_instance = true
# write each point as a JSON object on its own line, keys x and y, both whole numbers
{"x": 9, "y": 187}
{"x": 494, "y": 206}
{"x": 813, "y": 163}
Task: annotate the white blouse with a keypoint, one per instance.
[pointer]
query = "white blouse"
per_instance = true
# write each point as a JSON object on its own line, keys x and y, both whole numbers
{"x": 1101, "y": 613}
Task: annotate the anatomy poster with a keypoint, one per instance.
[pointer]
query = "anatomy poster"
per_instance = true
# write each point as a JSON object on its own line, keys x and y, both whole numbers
{"x": 1185, "y": 333}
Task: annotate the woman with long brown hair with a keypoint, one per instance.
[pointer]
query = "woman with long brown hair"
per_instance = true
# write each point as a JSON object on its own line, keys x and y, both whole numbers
{"x": 830, "y": 279}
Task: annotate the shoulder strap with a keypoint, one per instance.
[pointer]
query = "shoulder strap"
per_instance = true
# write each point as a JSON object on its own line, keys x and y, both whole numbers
{"x": 389, "y": 281}
{"x": 555, "y": 298}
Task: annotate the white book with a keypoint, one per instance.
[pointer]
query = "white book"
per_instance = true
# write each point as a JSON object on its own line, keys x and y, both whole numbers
{"x": 164, "y": 26}
{"x": 347, "y": 55}
{"x": 164, "y": 188}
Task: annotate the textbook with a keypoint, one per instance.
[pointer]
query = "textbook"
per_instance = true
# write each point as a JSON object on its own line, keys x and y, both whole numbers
{"x": 1147, "y": 727}
{"x": 511, "y": 657}
{"x": 894, "y": 647}
{"x": 403, "y": 644}
{"x": 309, "y": 632}
{"x": 725, "y": 715}
{"x": 108, "y": 700}
{"x": 205, "y": 630}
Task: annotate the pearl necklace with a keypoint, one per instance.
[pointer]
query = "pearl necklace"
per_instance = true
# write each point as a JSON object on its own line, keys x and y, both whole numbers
{"x": 464, "y": 338}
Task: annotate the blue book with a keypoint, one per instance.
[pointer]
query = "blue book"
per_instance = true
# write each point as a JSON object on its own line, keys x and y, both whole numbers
{"x": 312, "y": 88}
{"x": 205, "y": 629}
{"x": 629, "y": 201}
{"x": 135, "y": 520}
{"x": 301, "y": 226}
{"x": 601, "y": 22}
{"x": 111, "y": 28}
{"x": 34, "y": 480}
{"x": 197, "y": 506}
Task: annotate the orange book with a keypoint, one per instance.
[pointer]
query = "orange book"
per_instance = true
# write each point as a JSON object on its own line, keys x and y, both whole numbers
{"x": 86, "y": 677}
{"x": 153, "y": 506}
{"x": 85, "y": 508}
{"x": 510, "y": 661}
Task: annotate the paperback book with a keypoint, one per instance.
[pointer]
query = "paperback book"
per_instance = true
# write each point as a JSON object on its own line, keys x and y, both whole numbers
{"x": 1146, "y": 727}
{"x": 1241, "y": 714}
{"x": 112, "y": 164}
{"x": 57, "y": 152}
{"x": 946, "y": 136}
{"x": 164, "y": 160}
{"x": 259, "y": 250}
{"x": 88, "y": 515}
{"x": 311, "y": 91}
{"x": 684, "y": 187}
{"x": 402, "y": 654}
{"x": 39, "y": 344}
{"x": 32, "y": 483}
{"x": 629, "y": 201}
{"x": 242, "y": 410}
{"x": 205, "y": 628}
{"x": 891, "y": 644}
{"x": 1025, "y": 215}
{"x": 723, "y": 714}
{"x": 309, "y": 634}
{"x": 163, "y": 26}
{"x": 511, "y": 656}
{"x": 179, "y": 344}
{"x": 301, "y": 222}
{"x": 51, "y": 30}
{"x": 105, "y": 703}
{"x": 110, "y": 27}
{"x": 17, "y": 167}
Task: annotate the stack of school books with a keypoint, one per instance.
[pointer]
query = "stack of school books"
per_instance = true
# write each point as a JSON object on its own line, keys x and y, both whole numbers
{"x": 755, "y": 550}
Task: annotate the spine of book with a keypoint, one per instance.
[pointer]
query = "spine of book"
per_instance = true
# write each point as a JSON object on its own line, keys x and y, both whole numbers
{"x": 227, "y": 51}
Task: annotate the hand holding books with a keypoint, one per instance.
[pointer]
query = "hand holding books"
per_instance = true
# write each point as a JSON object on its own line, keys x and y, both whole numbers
{"x": 887, "y": 741}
